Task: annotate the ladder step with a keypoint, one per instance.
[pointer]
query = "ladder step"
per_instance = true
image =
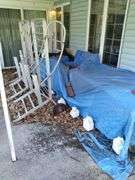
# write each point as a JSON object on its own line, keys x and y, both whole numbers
{"x": 19, "y": 86}
{"x": 25, "y": 108}
{"x": 31, "y": 101}
{"x": 13, "y": 89}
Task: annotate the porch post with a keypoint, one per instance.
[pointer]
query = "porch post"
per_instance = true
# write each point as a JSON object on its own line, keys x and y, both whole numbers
{"x": 1, "y": 57}
{"x": 123, "y": 33}
{"x": 88, "y": 25}
{"x": 7, "y": 116}
{"x": 104, "y": 21}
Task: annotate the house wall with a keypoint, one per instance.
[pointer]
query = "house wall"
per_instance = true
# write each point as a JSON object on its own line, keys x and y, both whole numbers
{"x": 59, "y": 2}
{"x": 78, "y": 22}
{"x": 26, "y": 4}
{"x": 78, "y": 25}
{"x": 127, "y": 58}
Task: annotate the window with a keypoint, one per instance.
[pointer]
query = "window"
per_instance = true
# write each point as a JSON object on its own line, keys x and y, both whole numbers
{"x": 114, "y": 27}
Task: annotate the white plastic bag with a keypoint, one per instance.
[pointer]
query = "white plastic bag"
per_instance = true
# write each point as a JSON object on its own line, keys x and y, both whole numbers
{"x": 61, "y": 101}
{"x": 74, "y": 112}
{"x": 118, "y": 145}
{"x": 88, "y": 123}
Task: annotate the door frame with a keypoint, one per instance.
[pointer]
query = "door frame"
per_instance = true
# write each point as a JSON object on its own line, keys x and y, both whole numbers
{"x": 103, "y": 29}
{"x": 123, "y": 33}
{"x": 62, "y": 14}
{"x": 62, "y": 9}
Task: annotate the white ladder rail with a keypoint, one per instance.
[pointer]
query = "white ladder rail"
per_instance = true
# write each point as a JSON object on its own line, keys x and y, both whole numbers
{"x": 37, "y": 92}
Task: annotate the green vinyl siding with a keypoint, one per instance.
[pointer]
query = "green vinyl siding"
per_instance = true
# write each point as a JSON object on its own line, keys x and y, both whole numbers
{"x": 78, "y": 24}
{"x": 127, "y": 58}
{"x": 26, "y": 4}
{"x": 33, "y": 14}
{"x": 60, "y": 2}
{"x": 9, "y": 34}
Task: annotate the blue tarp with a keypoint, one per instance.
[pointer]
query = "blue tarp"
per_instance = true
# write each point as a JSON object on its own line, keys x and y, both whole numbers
{"x": 104, "y": 93}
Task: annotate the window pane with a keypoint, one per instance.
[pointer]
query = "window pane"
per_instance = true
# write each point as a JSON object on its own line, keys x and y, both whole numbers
{"x": 115, "y": 47}
{"x": 108, "y": 43}
{"x": 118, "y": 31}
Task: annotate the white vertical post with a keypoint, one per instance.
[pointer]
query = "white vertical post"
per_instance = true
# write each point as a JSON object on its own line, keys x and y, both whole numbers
{"x": 22, "y": 14}
{"x": 62, "y": 20}
{"x": 37, "y": 88}
{"x": 34, "y": 39}
{"x": 35, "y": 48}
{"x": 25, "y": 32}
{"x": 47, "y": 61}
{"x": 104, "y": 22}
{"x": 1, "y": 56}
{"x": 7, "y": 116}
{"x": 17, "y": 67}
{"x": 24, "y": 75}
{"x": 27, "y": 74}
{"x": 123, "y": 33}
{"x": 88, "y": 25}
{"x": 21, "y": 57}
{"x": 21, "y": 24}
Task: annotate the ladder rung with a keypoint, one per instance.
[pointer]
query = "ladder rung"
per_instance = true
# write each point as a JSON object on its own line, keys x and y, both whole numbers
{"x": 31, "y": 101}
{"x": 18, "y": 114}
{"x": 20, "y": 86}
{"x": 24, "y": 106}
{"x": 13, "y": 89}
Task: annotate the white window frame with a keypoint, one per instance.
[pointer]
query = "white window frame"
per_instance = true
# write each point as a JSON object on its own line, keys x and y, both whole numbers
{"x": 103, "y": 31}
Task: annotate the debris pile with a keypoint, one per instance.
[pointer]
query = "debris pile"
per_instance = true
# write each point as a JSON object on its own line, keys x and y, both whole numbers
{"x": 46, "y": 115}
{"x": 9, "y": 75}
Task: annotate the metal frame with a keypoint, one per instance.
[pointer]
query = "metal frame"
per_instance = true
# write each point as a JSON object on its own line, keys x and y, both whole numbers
{"x": 26, "y": 79}
{"x": 36, "y": 91}
{"x": 35, "y": 80}
{"x": 25, "y": 32}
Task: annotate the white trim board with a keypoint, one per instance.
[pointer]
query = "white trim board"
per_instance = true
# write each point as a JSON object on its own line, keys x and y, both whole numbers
{"x": 123, "y": 33}
{"x": 25, "y": 4}
{"x": 103, "y": 32}
{"x": 61, "y": 5}
{"x": 88, "y": 26}
{"x": 1, "y": 57}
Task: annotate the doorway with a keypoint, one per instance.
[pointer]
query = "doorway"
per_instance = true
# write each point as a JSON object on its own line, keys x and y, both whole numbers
{"x": 63, "y": 15}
